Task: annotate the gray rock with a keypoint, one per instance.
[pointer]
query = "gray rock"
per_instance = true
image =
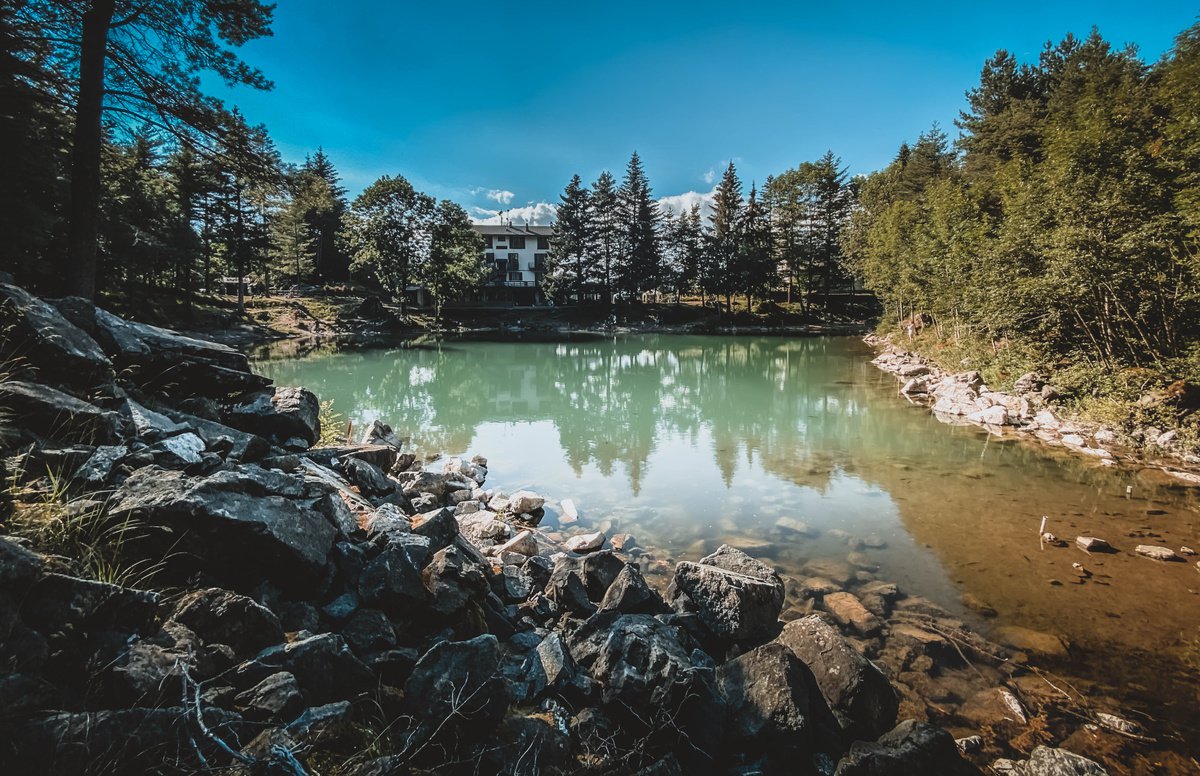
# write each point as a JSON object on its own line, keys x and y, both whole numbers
{"x": 159, "y": 358}
{"x": 369, "y": 630}
{"x": 391, "y": 581}
{"x": 439, "y": 526}
{"x": 236, "y": 445}
{"x": 281, "y": 415}
{"x": 224, "y": 617}
{"x": 275, "y": 699}
{"x": 858, "y": 693}
{"x": 630, "y": 594}
{"x": 911, "y": 747}
{"x": 55, "y": 415}
{"x": 323, "y": 666}
{"x": 454, "y": 580}
{"x": 245, "y": 523}
{"x": 455, "y": 691}
{"x": 775, "y": 709}
{"x": 369, "y": 478}
{"x": 737, "y": 597}
{"x": 551, "y": 667}
{"x": 1156, "y": 552}
{"x": 1047, "y": 761}
{"x": 37, "y": 334}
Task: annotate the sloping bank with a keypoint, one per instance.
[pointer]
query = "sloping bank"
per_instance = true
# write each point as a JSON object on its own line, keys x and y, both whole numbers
{"x": 963, "y": 397}
{"x": 303, "y": 608}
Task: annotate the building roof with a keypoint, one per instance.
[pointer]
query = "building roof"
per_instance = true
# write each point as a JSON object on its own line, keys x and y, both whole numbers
{"x": 538, "y": 231}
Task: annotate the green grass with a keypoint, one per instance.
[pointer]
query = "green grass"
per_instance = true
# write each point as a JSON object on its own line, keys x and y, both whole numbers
{"x": 91, "y": 544}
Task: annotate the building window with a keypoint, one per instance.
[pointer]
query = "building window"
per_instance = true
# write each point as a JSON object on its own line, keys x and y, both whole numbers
{"x": 539, "y": 262}
{"x": 489, "y": 256}
{"x": 502, "y": 265}
{"x": 487, "y": 241}
{"x": 515, "y": 277}
{"x": 516, "y": 243}
{"x": 543, "y": 243}
{"x": 513, "y": 258}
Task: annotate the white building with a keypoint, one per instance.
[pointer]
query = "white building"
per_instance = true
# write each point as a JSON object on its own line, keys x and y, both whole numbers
{"x": 517, "y": 256}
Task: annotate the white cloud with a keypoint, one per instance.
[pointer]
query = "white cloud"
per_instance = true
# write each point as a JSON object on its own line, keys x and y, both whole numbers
{"x": 500, "y": 195}
{"x": 680, "y": 203}
{"x": 535, "y": 214}
{"x": 709, "y": 176}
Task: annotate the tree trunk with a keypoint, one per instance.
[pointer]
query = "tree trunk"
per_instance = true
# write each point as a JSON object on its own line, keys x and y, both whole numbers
{"x": 78, "y": 273}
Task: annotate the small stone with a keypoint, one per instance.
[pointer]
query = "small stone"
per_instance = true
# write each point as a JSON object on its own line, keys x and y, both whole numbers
{"x": 1156, "y": 552}
{"x": 849, "y": 612}
{"x": 589, "y": 542}
{"x": 1092, "y": 544}
{"x": 969, "y": 744}
{"x": 794, "y": 525}
{"x": 1013, "y": 704}
{"x": 569, "y": 511}
{"x": 1185, "y": 550}
{"x": 1119, "y": 724}
{"x": 523, "y": 543}
{"x": 622, "y": 541}
{"x": 525, "y": 501}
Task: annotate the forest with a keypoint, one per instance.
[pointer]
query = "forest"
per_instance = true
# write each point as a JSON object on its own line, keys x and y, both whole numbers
{"x": 1058, "y": 230}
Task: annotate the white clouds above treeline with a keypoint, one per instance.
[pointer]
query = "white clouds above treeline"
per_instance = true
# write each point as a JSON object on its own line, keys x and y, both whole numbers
{"x": 544, "y": 213}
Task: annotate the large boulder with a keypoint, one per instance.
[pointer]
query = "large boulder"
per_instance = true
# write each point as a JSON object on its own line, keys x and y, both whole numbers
{"x": 52, "y": 414}
{"x": 159, "y": 358}
{"x": 455, "y": 692}
{"x": 287, "y": 416}
{"x": 651, "y": 685}
{"x": 737, "y": 597}
{"x": 323, "y": 665}
{"x": 391, "y": 581}
{"x": 246, "y": 524}
{"x": 235, "y": 445}
{"x": 37, "y": 335}
{"x": 859, "y": 694}
{"x": 775, "y": 709}
{"x": 1048, "y": 761}
{"x": 911, "y": 747}
{"x": 224, "y": 617}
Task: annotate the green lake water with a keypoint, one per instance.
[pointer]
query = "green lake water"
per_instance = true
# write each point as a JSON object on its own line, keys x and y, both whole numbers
{"x": 689, "y": 441}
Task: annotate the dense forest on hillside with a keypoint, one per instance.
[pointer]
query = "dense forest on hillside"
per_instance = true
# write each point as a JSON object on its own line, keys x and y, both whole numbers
{"x": 1061, "y": 230}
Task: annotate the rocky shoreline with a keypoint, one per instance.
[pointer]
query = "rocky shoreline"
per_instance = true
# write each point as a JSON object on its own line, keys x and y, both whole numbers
{"x": 963, "y": 397}
{"x": 258, "y": 601}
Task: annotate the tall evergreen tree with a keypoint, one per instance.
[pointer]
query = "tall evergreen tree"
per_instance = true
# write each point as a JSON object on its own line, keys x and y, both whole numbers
{"x": 571, "y": 268}
{"x": 138, "y": 62}
{"x": 724, "y": 235}
{"x": 640, "y": 263}
{"x": 607, "y": 240}
{"x": 325, "y": 207}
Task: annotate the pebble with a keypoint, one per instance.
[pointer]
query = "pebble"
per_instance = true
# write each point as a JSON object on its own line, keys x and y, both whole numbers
{"x": 1013, "y": 704}
{"x": 1156, "y": 552}
{"x": 1092, "y": 543}
{"x": 589, "y": 542}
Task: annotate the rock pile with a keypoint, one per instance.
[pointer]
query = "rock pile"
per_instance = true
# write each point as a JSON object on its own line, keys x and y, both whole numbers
{"x": 345, "y": 605}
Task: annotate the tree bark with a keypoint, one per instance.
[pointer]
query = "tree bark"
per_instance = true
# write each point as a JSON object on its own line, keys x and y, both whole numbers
{"x": 78, "y": 273}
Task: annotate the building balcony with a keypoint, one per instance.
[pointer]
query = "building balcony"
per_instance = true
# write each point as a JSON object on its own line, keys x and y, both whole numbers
{"x": 504, "y": 282}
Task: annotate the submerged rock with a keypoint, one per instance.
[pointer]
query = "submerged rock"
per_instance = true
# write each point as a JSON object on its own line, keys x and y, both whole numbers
{"x": 859, "y": 694}
{"x": 910, "y": 748}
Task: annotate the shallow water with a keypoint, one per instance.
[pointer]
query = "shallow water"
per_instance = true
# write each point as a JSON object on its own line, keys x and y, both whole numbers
{"x": 689, "y": 441}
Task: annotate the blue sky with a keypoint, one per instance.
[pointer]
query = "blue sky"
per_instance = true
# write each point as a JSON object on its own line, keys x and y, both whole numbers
{"x": 467, "y": 99}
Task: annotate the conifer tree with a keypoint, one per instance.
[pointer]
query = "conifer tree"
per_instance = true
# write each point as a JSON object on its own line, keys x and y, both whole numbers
{"x": 724, "y": 235}
{"x": 640, "y": 262}
{"x": 571, "y": 269}
{"x": 606, "y": 240}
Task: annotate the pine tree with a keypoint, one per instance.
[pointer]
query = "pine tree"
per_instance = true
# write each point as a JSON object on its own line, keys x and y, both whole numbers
{"x": 640, "y": 263}
{"x": 606, "y": 241}
{"x": 571, "y": 269}
{"x": 325, "y": 203}
{"x": 724, "y": 235}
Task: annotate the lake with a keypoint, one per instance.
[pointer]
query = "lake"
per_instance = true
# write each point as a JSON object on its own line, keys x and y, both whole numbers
{"x": 686, "y": 442}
